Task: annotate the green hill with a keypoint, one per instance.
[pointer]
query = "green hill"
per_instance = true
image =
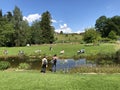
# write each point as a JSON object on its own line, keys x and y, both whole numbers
{"x": 68, "y": 38}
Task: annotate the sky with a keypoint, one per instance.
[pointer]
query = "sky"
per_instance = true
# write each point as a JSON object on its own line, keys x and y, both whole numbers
{"x": 69, "y": 16}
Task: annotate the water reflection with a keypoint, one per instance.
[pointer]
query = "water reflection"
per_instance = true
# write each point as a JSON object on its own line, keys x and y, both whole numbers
{"x": 70, "y": 63}
{"x": 61, "y": 64}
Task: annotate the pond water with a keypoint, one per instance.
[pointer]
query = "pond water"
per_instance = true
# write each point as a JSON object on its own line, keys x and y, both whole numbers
{"x": 64, "y": 64}
{"x": 71, "y": 63}
{"x": 61, "y": 64}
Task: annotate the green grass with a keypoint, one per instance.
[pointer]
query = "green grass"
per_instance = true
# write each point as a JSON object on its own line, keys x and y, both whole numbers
{"x": 70, "y": 49}
{"x": 109, "y": 69}
{"x": 55, "y": 81}
{"x": 68, "y": 38}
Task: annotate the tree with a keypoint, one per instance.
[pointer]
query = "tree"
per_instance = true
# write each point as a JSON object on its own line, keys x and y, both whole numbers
{"x": 25, "y": 33}
{"x": 0, "y": 13}
{"x": 21, "y": 28}
{"x": 105, "y": 25}
{"x": 47, "y": 29}
{"x": 101, "y": 24}
{"x": 112, "y": 35}
{"x": 116, "y": 25}
{"x": 36, "y": 33}
{"x": 61, "y": 32}
{"x": 91, "y": 36}
{"x": 6, "y": 31}
{"x": 9, "y": 16}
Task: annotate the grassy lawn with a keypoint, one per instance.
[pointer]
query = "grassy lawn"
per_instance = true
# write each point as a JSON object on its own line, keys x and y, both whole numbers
{"x": 70, "y": 49}
{"x": 34, "y": 80}
{"x": 60, "y": 38}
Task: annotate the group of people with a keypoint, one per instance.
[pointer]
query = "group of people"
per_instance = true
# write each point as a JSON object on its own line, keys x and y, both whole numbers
{"x": 45, "y": 64}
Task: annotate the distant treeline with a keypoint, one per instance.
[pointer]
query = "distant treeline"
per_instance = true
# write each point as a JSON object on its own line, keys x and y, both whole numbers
{"x": 106, "y": 26}
{"x": 105, "y": 30}
{"x": 14, "y": 31}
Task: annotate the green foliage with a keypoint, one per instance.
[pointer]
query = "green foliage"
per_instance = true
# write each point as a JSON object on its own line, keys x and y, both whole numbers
{"x": 47, "y": 29}
{"x": 105, "y": 25}
{"x": 21, "y": 28}
{"x": 14, "y": 31}
{"x": 0, "y": 13}
{"x": 112, "y": 35}
{"x": 101, "y": 25}
{"x": 36, "y": 33}
{"x": 6, "y": 31}
{"x": 117, "y": 56}
{"x": 61, "y": 32}
{"x": 66, "y": 35}
{"x": 91, "y": 36}
{"x": 42, "y": 31}
{"x": 24, "y": 66}
{"x": 4, "y": 65}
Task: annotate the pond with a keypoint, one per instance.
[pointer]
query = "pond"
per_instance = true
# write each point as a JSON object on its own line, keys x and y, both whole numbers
{"x": 64, "y": 64}
{"x": 71, "y": 63}
{"x": 61, "y": 64}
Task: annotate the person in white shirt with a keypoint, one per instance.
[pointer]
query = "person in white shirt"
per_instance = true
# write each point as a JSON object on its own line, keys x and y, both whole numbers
{"x": 44, "y": 65}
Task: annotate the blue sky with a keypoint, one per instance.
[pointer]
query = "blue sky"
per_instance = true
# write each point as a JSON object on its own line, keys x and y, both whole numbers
{"x": 67, "y": 15}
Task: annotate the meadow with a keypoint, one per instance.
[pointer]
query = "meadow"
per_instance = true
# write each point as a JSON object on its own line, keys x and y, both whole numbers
{"x": 34, "y": 80}
{"x": 69, "y": 48}
{"x": 78, "y": 79}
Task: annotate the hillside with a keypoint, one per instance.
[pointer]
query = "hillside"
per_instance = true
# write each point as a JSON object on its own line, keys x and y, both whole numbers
{"x": 68, "y": 38}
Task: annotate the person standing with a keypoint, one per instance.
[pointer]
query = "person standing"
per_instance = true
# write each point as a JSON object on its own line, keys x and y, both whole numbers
{"x": 54, "y": 61}
{"x": 44, "y": 65}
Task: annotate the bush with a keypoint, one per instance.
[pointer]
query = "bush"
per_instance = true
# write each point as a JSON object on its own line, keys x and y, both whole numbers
{"x": 104, "y": 58}
{"x": 117, "y": 55}
{"x": 4, "y": 65}
{"x": 24, "y": 66}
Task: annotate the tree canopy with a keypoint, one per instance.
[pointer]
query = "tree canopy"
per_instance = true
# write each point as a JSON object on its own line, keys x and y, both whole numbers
{"x": 14, "y": 31}
{"x": 105, "y": 25}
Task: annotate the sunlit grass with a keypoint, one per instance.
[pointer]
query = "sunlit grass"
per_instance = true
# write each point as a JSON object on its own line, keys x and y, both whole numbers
{"x": 56, "y": 81}
{"x": 70, "y": 49}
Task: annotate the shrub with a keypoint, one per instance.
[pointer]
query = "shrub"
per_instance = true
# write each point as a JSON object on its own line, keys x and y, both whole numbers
{"x": 4, "y": 65}
{"x": 24, "y": 66}
{"x": 104, "y": 58}
{"x": 117, "y": 55}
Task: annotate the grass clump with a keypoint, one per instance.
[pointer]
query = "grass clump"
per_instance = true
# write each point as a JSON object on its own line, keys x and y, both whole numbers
{"x": 97, "y": 69}
{"x": 4, "y": 65}
{"x": 24, "y": 66}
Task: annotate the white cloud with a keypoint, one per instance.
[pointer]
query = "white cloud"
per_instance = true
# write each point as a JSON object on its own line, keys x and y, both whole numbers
{"x": 80, "y": 31}
{"x": 32, "y": 17}
{"x": 54, "y": 21}
{"x": 64, "y": 28}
